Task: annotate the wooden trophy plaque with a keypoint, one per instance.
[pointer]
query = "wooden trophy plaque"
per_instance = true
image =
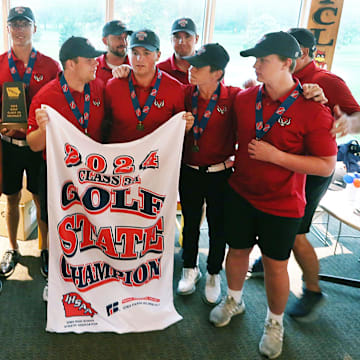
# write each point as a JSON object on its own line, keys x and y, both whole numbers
{"x": 14, "y": 110}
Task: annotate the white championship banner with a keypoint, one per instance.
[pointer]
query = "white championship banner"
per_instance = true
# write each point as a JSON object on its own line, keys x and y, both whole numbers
{"x": 111, "y": 229}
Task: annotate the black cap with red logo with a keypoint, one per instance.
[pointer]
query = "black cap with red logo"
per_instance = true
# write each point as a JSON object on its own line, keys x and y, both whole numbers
{"x": 304, "y": 37}
{"x": 77, "y": 47}
{"x": 145, "y": 38}
{"x": 21, "y": 12}
{"x": 279, "y": 43}
{"x": 184, "y": 24}
{"x": 115, "y": 27}
{"x": 209, "y": 54}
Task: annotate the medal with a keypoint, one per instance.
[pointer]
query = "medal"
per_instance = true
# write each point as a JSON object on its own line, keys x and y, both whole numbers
{"x": 140, "y": 126}
{"x": 195, "y": 148}
{"x": 142, "y": 113}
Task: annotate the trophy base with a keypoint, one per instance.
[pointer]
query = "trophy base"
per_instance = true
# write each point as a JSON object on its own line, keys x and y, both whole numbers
{"x": 13, "y": 125}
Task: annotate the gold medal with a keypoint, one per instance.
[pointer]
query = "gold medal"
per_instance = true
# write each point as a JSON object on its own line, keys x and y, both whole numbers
{"x": 140, "y": 126}
{"x": 195, "y": 148}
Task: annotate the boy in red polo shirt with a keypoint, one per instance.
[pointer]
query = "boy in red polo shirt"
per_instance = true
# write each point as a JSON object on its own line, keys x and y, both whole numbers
{"x": 206, "y": 166}
{"x": 75, "y": 85}
{"x": 184, "y": 38}
{"x": 281, "y": 138}
{"x": 78, "y": 80}
{"x": 140, "y": 103}
{"x": 115, "y": 35}
{"x": 35, "y": 70}
{"x": 345, "y": 108}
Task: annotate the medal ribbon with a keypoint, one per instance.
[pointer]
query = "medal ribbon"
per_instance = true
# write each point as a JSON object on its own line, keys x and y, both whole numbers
{"x": 14, "y": 72}
{"x": 262, "y": 129}
{"x": 199, "y": 126}
{"x": 82, "y": 119}
{"x": 142, "y": 113}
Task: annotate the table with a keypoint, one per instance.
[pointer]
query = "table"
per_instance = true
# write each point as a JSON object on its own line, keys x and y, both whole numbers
{"x": 342, "y": 205}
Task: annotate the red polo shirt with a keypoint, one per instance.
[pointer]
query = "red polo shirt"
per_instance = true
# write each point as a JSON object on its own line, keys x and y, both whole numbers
{"x": 119, "y": 107}
{"x": 269, "y": 187}
{"x": 52, "y": 95}
{"x": 334, "y": 87}
{"x": 45, "y": 69}
{"x": 217, "y": 142}
{"x": 104, "y": 72}
{"x": 169, "y": 66}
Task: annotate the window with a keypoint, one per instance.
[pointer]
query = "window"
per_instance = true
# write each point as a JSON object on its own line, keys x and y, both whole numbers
{"x": 240, "y": 24}
{"x": 58, "y": 20}
{"x": 158, "y": 15}
{"x": 346, "y": 57}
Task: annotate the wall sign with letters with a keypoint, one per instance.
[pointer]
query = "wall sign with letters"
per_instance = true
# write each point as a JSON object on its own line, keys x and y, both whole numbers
{"x": 324, "y": 21}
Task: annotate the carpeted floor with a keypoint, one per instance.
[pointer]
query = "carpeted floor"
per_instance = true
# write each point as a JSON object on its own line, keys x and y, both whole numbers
{"x": 334, "y": 336}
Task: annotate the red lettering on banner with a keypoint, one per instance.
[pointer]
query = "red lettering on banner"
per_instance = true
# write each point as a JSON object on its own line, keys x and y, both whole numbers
{"x": 72, "y": 155}
{"x": 123, "y": 165}
{"x": 127, "y": 243}
{"x": 96, "y": 163}
{"x": 151, "y": 161}
{"x": 89, "y": 276}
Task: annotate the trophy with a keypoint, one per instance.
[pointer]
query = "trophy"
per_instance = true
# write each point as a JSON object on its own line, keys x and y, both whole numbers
{"x": 14, "y": 110}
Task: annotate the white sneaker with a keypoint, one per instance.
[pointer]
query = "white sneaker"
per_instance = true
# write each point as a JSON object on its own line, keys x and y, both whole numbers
{"x": 212, "y": 289}
{"x": 45, "y": 293}
{"x": 221, "y": 314}
{"x": 189, "y": 278}
{"x": 271, "y": 342}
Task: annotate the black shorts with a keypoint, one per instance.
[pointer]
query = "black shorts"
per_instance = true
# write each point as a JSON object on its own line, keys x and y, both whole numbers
{"x": 315, "y": 189}
{"x": 16, "y": 159}
{"x": 246, "y": 226}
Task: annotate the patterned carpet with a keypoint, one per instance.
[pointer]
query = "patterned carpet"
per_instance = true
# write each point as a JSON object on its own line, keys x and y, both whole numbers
{"x": 334, "y": 336}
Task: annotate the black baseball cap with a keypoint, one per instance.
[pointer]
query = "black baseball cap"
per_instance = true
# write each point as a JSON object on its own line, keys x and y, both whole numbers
{"x": 145, "y": 38}
{"x": 209, "y": 54}
{"x": 77, "y": 46}
{"x": 115, "y": 27}
{"x": 304, "y": 37}
{"x": 184, "y": 24}
{"x": 21, "y": 12}
{"x": 280, "y": 43}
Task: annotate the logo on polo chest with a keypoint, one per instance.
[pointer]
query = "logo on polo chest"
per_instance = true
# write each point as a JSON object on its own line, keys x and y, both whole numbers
{"x": 222, "y": 109}
{"x": 284, "y": 121}
{"x": 159, "y": 103}
{"x": 38, "y": 77}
